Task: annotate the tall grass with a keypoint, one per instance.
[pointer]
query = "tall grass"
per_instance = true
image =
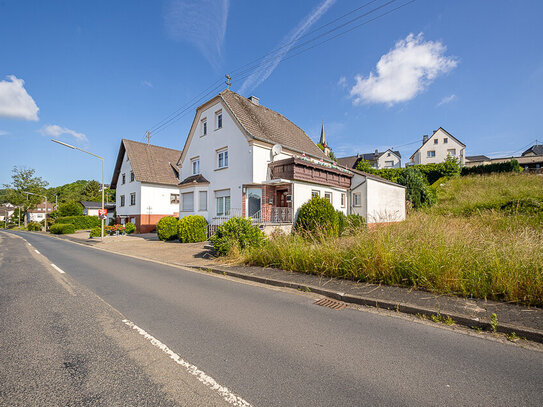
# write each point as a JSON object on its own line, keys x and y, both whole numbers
{"x": 490, "y": 254}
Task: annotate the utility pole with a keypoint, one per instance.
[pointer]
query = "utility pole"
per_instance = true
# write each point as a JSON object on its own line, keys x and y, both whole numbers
{"x": 228, "y": 81}
{"x": 148, "y": 136}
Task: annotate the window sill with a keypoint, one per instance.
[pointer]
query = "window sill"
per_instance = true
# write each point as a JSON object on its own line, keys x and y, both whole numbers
{"x": 222, "y": 168}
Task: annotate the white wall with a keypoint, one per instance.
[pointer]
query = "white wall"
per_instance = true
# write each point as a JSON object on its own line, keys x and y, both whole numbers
{"x": 196, "y": 191}
{"x": 381, "y": 162}
{"x": 441, "y": 154}
{"x": 302, "y": 194}
{"x": 155, "y": 199}
{"x": 126, "y": 189}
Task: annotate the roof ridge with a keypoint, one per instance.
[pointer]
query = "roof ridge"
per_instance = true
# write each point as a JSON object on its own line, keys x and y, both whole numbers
{"x": 150, "y": 145}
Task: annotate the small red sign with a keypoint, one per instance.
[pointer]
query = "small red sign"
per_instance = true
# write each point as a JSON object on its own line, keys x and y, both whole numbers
{"x": 102, "y": 213}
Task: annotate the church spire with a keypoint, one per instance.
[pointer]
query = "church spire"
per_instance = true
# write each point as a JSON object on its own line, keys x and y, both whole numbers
{"x": 322, "y": 141}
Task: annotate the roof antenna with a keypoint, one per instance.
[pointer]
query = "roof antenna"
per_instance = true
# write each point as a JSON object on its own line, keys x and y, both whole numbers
{"x": 228, "y": 81}
{"x": 148, "y": 136}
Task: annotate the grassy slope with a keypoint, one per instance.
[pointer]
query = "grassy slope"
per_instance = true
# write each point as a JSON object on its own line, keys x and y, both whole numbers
{"x": 480, "y": 240}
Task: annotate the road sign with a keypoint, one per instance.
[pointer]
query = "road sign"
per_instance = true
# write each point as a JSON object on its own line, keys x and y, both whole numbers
{"x": 102, "y": 213}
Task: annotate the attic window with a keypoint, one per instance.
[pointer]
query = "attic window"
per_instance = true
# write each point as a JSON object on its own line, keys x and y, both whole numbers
{"x": 436, "y": 141}
{"x": 445, "y": 140}
{"x": 204, "y": 127}
{"x": 218, "y": 119}
{"x": 132, "y": 177}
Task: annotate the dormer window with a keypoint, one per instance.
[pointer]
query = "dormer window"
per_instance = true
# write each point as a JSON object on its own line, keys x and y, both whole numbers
{"x": 204, "y": 127}
{"x": 218, "y": 119}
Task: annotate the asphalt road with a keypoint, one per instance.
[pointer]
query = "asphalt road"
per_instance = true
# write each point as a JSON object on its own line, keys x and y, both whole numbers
{"x": 271, "y": 347}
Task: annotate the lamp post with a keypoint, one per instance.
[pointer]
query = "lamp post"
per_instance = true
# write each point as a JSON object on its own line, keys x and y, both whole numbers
{"x": 43, "y": 196}
{"x": 101, "y": 158}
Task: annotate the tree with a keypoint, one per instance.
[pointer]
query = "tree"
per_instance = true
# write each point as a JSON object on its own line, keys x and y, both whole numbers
{"x": 24, "y": 180}
{"x": 364, "y": 166}
{"x": 331, "y": 154}
{"x": 418, "y": 192}
{"x": 91, "y": 191}
{"x": 71, "y": 208}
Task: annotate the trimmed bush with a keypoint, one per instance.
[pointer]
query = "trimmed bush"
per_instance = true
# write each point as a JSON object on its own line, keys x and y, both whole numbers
{"x": 508, "y": 166}
{"x": 80, "y": 222}
{"x": 96, "y": 232}
{"x": 62, "y": 228}
{"x": 317, "y": 216}
{"x": 33, "y": 226}
{"x": 166, "y": 228}
{"x": 192, "y": 229}
{"x": 236, "y": 233}
{"x": 129, "y": 228}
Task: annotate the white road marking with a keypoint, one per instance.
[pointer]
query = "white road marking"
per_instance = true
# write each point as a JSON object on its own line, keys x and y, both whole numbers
{"x": 193, "y": 370}
{"x": 36, "y": 251}
{"x": 57, "y": 269}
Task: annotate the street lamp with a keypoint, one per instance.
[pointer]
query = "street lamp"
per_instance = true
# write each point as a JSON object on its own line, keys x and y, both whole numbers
{"x": 97, "y": 156}
{"x": 43, "y": 196}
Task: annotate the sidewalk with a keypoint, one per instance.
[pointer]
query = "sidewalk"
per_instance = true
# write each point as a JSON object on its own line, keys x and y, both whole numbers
{"x": 523, "y": 321}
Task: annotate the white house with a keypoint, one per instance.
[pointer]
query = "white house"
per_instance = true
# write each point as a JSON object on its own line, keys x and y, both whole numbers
{"x": 436, "y": 148}
{"x": 377, "y": 159}
{"x": 39, "y": 212}
{"x": 376, "y": 199}
{"x": 145, "y": 179}
{"x": 6, "y": 210}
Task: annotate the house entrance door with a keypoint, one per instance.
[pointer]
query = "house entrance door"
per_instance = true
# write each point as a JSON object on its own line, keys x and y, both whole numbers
{"x": 282, "y": 198}
{"x": 254, "y": 201}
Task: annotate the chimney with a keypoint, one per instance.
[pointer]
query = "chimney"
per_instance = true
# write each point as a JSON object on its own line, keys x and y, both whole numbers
{"x": 357, "y": 155}
{"x": 376, "y": 151}
{"x": 424, "y": 138}
{"x": 254, "y": 100}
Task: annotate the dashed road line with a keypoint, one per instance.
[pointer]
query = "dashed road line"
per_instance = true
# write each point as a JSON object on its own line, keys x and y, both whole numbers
{"x": 226, "y": 394}
{"x": 36, "y": 251}
{"x": 57, "y": 269}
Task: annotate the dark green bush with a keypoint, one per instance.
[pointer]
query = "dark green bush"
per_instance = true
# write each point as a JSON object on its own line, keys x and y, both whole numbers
{"x": 508, "y": 166}
{"x": 341, "y": 223}
{"x": 237, "y": 233}
{"x": 355, "y": 222}
{"x": 418, "y": 191}
{"x": 192, "y": 229}
{"x": 317, "y": 216}
{"x": 80, "y": 222}
{"x": 129, "y": 228}
{"x": 62, "y": 228}
{"x": 96, "y": 232}
{"x": 166, "y": 228}
{"x": 33, "y": 226}
{"x": 70, "y": 208}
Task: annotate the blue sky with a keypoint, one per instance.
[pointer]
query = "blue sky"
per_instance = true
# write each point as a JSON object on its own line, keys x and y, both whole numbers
{"x": 91, "y": 73}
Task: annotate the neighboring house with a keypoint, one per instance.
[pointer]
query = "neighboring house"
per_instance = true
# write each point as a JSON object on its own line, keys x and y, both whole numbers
{"x": 376, "y": 199}
{"x": 436, "y": 148}
{"x": 473, "y": 160}
{"x": 6, "y": 209}
{"x": 39, "y": 212}
{"x": 378, "y": 160}
{"x": 241, "y": 158}
{"x": 145, "y": 179}
{"x": 91, "y": 208}
{"x": 535, "y": 150}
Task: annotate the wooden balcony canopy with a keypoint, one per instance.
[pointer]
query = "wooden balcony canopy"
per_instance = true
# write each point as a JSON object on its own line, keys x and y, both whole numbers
{"x": 308, "y": 170}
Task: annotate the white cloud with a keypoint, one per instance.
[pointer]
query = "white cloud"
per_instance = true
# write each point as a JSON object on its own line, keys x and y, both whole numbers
{"x": 268, "y": 65}
{"x": 15, "y": 102}
{"x": 342, "y": 82}
{"x": 3, "y": 133}
{"x": 447, "y": 99}
{"x": 52, "y": 130}
{"x": 147, "y": 84}
{"x": 201, "y": 23}
{"x": 403, "y": 72}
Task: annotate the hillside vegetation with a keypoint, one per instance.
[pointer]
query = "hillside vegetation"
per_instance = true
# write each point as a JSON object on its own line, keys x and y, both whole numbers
{"x": 483, "y": 238}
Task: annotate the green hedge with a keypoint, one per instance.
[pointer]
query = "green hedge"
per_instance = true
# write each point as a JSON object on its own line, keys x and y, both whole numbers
{"x": 237, "y": 233}
{"x": 80, "y": 222}
{"x": 62, "y": 228}
{"x": 166, "y": 228}
{"x": 33, "y": 226}
{"x": 508, "y": 166}
{"x": 96, "y": 232}
{"x": 317, "y": 216}
{"x": 192, "y": 229}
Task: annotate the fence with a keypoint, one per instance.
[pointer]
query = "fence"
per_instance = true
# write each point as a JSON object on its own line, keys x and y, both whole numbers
{"x": 273, "y": 215}
{"x": 215, "y": 222}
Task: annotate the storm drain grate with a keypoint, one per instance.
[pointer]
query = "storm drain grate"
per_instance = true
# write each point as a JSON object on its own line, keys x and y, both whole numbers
{"x": 327, "y": 302}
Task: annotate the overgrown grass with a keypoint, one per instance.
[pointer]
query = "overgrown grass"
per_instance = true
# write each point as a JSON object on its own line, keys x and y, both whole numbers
{"x": 493, "y": 253}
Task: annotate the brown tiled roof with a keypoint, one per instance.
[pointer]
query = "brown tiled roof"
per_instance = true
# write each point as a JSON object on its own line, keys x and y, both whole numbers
{"x": 349, "y": 162}
{"x": 152, "y": 164}
{"x": 267, "y": 125}
{"x": 196, "y": 179}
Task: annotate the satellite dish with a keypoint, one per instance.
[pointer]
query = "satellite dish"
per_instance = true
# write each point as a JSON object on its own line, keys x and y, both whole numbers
{"x": 277, "y": 149}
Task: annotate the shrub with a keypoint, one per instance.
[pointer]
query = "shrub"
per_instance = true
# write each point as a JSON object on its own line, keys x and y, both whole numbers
{"x": 129, "y": 228}
{"x": 317, "y": 216}
{"x": 418, "y": 192}
{"x": 166, "y": 228}
{"x": 508, "y": 166}
{"x": 96, "y": 232}
{"x": 341, "y": 223}
{"x": 80, "y": 222}
{"x": 237, "y": 233}
{"x": 62, "y": 228}
{"x": 33, "y": 226}
{"x": 70, "y": 208}
{"x": 192, "y": 229}
{"x": 115, "y": 229}
{"x": 355, "y": 222}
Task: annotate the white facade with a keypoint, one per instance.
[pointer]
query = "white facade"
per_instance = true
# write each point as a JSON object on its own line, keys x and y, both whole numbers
{"x": 389, "y": 159}
{"x": 438, "y": 147}
{"x": 376, "y": 200}
{"x": 304, "y": 191}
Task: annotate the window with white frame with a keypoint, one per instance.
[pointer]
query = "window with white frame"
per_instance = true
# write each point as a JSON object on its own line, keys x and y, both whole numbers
{"x": 133, "y": 198}
{"x": 357, "y": 199}
{"x": 218, "y": 119}
{"x": 122, "y": 200}
{"x": 132, "y": 177}
{"x": 204, "y": 127}
{"x": 389, "y": 164}
{"x": 187, "y": 202}
{"x": 343, "y": 198}
{"x": 222, "y": 203}
{"x": 328, "y": 196}
{"x": 202, "y": 201}
{"x": 431, "y": 154}
{"x": 451, "y": 152}
{"x": 195, "y": 164}
{"x": 222, "y": 158}
{"x": 315, "y": 192}
{"x": 174, "y": 198}
{"x": 123, "y": 179}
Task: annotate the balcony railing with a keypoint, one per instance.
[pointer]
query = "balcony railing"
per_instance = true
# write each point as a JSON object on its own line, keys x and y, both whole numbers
{"x": 273, "y": 215}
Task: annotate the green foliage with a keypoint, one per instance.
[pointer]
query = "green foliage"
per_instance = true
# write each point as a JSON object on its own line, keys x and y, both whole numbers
{"x": 33, "y": 226}
{"x": 355, "y": 222}
{"x": 62, "y": 229}
{"x": 91, "y": 191}
{"x": 237, "y": 233}
{"x": 331, "y": 154}
{"x": 80, "y": 222}
{"x": 24, "y": 180}
{"x": 129, "y": 228}
{"x": 450, "y": 168}
{"x": 364, "y": 166}
{"x": 418, "y": 192}
{"x": 80, "y": 190}
{"x": 318, "y": 217}
{"x": 341, "y": 223}
{"x": 96, "y": 232}
{"x": 166, "y": 228}
{"x": 70, "y": 208}
{"x": 192, "y": 229}
{"x": 349, "y": 225}
{"x": 508, "y": 166}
